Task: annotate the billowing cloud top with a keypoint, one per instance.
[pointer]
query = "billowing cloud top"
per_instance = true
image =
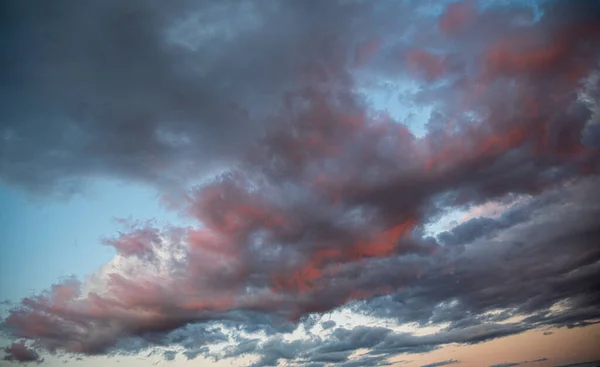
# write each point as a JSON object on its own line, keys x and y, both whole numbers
{"x": 325, "y": 199}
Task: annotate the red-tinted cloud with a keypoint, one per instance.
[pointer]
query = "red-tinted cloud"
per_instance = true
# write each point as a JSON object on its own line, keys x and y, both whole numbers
{"x": 19, "y": 352}
{"x": 136, "y": 241}
{"x": 366, "y": 50}
{"x": 423, "y": 63}
{"x": 332, "y": 189}
{"x": 456, "y": 16}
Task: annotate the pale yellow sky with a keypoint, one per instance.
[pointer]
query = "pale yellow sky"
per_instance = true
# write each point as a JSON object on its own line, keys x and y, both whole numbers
{"x": 562, "y": 347}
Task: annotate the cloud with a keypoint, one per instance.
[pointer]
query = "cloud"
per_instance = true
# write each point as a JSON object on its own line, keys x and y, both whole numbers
{"x": 162, "y": 95}
{"x": 169, "y": 355}
{"x": 381, "y": 343}
{"x": 328, "y": 324}
{"x": 324, "y": 199}
{"x": 452, "y": 290}
{"x": 19, "y": 352}
{"x": 442, "y": 363}
{"x": 581, "y": 364}
{"x": 511, "y": 364}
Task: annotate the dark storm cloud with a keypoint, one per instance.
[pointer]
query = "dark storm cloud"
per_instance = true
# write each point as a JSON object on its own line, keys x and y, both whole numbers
{"x": 326, "y": 205}
{"x": 108, "y": 88}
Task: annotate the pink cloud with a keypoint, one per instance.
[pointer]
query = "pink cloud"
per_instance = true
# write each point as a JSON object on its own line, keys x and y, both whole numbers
{"x": 19, "y": 352}
{"x": 330, "y": 190}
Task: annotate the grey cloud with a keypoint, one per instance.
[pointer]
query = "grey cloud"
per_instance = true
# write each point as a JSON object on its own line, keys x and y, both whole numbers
{"x": 349, "y": 340}
{"x": 332, "y": 357}
{"x": 381, "y": 344}
{"x": 107, "y": 89}
{"x": 169, "y": 355}
{"x": 325, "y": 202}
{"x": 453, "y": 290}
{"x": 276, "y": 349}
{"x": 368, "y": 361}
{"x": 318, "y": 351}
{"x": 193, "y": 353}
{"x": 583, "y": 364}
{"x": 193, "y": 336}
{"x": 512, "y": 364}
{"x": 406, "y": 343}
{"x": 242, "y": 347}
{"x": 441, "y": 363}
{"x": 328, "y": 324}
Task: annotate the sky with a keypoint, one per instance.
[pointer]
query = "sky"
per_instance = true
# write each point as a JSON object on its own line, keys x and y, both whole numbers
{"x": 300, "y": 183}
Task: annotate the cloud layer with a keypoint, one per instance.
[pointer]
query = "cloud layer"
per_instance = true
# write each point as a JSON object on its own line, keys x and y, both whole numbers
{"x": 325, "y": 199}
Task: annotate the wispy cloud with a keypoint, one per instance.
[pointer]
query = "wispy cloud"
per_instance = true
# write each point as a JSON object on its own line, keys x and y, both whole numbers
{"x": 441, "y": 363}
{"x": 582, "y": 364}
{"x": 511, "y": 364}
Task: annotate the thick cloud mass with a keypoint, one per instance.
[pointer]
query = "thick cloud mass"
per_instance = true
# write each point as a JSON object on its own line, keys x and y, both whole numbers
{"x": 326, "y": 199}
{"x": 147, "y": 91}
